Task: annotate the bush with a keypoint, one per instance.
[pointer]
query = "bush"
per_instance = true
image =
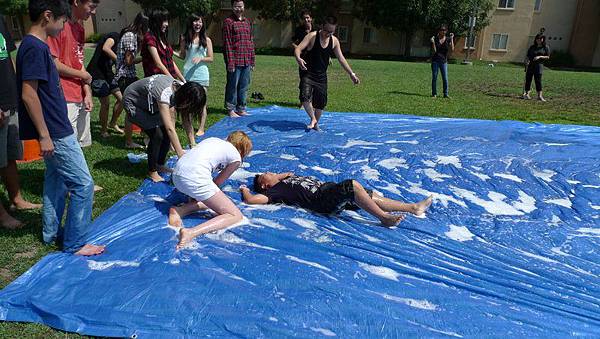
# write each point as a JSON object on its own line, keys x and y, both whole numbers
{"x": 94, "y": 38}
{"x": 560, "y": 59}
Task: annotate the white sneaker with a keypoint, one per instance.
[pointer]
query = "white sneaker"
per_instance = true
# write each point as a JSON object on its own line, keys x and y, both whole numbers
{"x": 526, "y": 97}
{"x": 541, "y": 99}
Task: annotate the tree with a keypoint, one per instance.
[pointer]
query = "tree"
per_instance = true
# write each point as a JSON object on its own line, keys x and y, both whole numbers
{"x": 13, "y": 7}
{"x": 289, "y": 10}
{"x": 409, "y": 16}
{"x": 182, "y": 8}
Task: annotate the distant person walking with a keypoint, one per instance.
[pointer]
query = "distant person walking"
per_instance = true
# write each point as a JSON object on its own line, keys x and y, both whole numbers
{"x": 301, "y": 31}
{"x": 238, "y": 51}
{"x": 197, "y": 51}
{"x": 441, "y": 46}
{"x": 313, "y": 85}
{"x": 534, "y": 64}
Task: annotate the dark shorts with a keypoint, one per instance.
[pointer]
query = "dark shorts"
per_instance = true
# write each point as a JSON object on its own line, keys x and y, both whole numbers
{"x": 124, "y": 82}
{"x": 102, "y": 88}
{"x": 335, "y": 197}
{"x": 315, "y": 91}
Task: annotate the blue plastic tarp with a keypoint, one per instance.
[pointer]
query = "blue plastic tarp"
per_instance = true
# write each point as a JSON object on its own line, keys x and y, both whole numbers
{"x": 509, "y": 246}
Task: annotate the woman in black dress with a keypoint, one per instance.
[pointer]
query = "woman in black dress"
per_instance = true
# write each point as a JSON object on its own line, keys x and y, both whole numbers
{"x": 536, "y": 55}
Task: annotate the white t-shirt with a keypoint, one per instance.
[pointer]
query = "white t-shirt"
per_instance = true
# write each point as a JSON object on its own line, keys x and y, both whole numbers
{"x": 210, "y": 155}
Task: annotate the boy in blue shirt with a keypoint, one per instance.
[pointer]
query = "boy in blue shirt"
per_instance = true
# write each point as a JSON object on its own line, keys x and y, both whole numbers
{"x": 43, "y": 116}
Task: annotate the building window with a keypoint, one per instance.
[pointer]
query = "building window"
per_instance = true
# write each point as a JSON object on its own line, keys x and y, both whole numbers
{"x": 368, "y": 35}
{"x": 499, "y": 42}
{"x": 342, "y": 33}
{"x": 538, "y": 6}
{"x": 470, "y": 42}
{"x": 507, "y": 4}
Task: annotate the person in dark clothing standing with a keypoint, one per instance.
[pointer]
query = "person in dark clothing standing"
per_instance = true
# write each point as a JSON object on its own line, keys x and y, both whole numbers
{"x": 536, "y": 55}
{"x": 440, "y": 45}
{"x": 313, "y": 84}
{"x": 104, "y": 83}
{"x": 299, "y": 34}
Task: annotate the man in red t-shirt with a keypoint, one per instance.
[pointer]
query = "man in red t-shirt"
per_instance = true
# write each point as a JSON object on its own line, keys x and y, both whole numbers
{"x": 67, "y": 51}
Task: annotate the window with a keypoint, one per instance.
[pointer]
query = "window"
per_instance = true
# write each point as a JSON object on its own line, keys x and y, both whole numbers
{"x": 499, "y": 41}
{"x": 538, "y": 6}
{"x": 368, "y": 35}
{"x": 342, "y": 33}
{"x": 470, "y": 42}
{"x": 509, "y": 4}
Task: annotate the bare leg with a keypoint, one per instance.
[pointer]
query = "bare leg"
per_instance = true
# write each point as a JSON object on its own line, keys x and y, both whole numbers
{"x": 318, "y": 113}
{"x": 178, "y": 212}
{"x": 202, "y": 122}
{"x": 104, "y": 105}
{"x": 89, "y": 250}
{"x": 390, "y": 205}
{"x": 227, "y": 215}
{"x": 129, "y": 135}
{"x": 364, "y": 201}
{"x": 11, "y": 181}
{"x": 7, "y": 221}
{"x": 117, "y": 109}
{"x": 311, "y": 114}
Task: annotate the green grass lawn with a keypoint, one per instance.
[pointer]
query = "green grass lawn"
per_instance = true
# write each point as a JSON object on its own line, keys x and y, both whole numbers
{"x": 478, "y": 91}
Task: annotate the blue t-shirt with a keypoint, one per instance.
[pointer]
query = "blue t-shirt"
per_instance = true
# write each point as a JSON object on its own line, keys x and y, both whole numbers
{"x": 34, "y": 62}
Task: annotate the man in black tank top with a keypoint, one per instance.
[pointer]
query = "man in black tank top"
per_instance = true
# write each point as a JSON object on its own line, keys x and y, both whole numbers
{"x": 313, "y": 84}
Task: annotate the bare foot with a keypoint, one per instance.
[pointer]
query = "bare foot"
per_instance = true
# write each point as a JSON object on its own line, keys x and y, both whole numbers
{"x": 89, "y": 250}
{"x": 117, "y": 129}
{"x": 391, "y": 220}
{"x": 174, "y": 217}
{"x": 184, "y": 238}
{"x": 164, "y": 169}
{"x": 154, "y": 176}
{"x": 242, "y": 113}
{"x": 133, "y": 145}
{"x": 232, "y": 114}
{"x": 10, "y": 223}
{"x": 98, "y": 188}
{"x": 422, "y": 206}
{"x": 316, "y": 128}
{"x": 312, "y": 124}
{"x": 200, "y": 133}
{"x": 25, "y": 205}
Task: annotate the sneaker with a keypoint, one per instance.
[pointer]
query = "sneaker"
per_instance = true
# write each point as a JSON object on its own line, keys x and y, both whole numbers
{"x": 525, "y": 97}
{"x": 259, "y": 96}
{"x": 541, "y": 99}
{"x": 434, "y": 96}
{"x": 446, "y": 96}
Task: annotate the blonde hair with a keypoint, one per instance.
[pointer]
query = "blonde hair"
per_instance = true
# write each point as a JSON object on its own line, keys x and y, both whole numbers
{"x": 241, "y": 141}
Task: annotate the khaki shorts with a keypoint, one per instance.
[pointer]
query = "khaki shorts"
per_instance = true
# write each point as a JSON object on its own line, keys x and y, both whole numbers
{"x": 11, "y": 147}
{"x": 80, "y": 121}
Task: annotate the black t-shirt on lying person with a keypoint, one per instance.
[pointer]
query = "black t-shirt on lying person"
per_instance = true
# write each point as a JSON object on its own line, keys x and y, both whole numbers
{"x": 296, "y": 190}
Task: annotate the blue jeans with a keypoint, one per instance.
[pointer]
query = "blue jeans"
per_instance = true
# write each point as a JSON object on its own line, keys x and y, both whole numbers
{"x": 443, "y": 67}
{"x": 67, "y": 171}
{"x": 236, "y": 89}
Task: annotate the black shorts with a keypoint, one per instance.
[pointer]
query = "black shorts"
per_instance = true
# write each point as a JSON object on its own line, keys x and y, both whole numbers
{"x": 102, "y": 88}
{"x": 335, "y": 197}
{"x": 124, "y": 82}
{"x": 315, "y": 91}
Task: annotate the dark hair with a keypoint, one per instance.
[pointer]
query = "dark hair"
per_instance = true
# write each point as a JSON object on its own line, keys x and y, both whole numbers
{"x": 139, "y": 25}
{"x": 190, "y": 100}
{"x": 72, "y": 2}
{"x": 305, "y": 12}
{"x": 443, "y": 27}
{"x": 257, "y": 187}
{"x": 57, "y": 7}
{"x": 330, "y": 19}
{"x": 538, "y": 36}
{"x": 234, "y": 1}
{"x": 188, "y": 36}
{"x": 156, "y": 18}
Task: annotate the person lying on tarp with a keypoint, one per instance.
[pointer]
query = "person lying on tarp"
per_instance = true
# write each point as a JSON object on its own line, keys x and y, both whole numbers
{"x": 327, "y": 197}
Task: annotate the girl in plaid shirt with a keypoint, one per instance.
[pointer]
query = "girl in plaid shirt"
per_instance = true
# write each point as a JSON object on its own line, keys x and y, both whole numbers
{"x": 157, "y": 53}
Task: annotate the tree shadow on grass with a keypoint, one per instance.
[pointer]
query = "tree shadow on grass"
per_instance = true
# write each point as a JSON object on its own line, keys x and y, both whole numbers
{"x": 282, "y": 126}
{"x": 408, "y": 93}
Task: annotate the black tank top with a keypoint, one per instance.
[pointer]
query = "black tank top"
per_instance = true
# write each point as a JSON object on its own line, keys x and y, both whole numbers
{"x": 318, "y": 59}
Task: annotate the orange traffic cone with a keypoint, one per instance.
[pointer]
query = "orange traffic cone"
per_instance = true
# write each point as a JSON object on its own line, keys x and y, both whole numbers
{"x": 31, "y": 151}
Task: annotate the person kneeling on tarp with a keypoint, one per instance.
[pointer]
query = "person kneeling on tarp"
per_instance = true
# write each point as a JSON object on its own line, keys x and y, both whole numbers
{"x": 193, "y": 177}
{"x": 327, "y": 197}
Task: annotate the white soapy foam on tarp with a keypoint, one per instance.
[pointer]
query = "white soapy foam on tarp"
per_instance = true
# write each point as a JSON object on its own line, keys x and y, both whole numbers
{"x": 459, "y": 233}
{"x": 415, "y": 303}
{"x": 370, "y": 173}
{"x": 495, "y": 206}
{"x": 324, "y": 331}
{"x": 255, "y": 152}
{"x": 309, "y": 224}
{"x": 428, "y": 163}
{"x": 545, "y": 175}
{"x": 104, "y": 265}
{"x": 525, "y": 203}
{"x": 380, "y": 271}
{"x": 509, "y": 177}
{"x": 358, "y": 161}
{"x": 433, "y": 174}
{"x": 327, "y": 155}
{"x": 393, "y": 163}
{"x": 309, "y": 263}
{"x": 325, "y": 171}
{"x": 232, "y": 276}
{"x": 443, "y": 198}
{"x": 269, "y": 223}
{"x": 449, "y": 160}
{"x": 395, "y": 150}
{"x": 288, "y": 157}
{"x": 355, "y": 142}
{"x": 560, "y": 202}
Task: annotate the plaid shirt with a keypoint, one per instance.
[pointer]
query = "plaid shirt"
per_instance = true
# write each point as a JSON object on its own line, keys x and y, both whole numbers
{"x": 238, "y": 43}
{"x": 165, "y": 53}
{"x": 128, "y": 43}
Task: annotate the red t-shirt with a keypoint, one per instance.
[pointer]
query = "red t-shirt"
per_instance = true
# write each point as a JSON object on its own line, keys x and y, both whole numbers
{"x": 68, "y": 48}
{"x": 165, "y": 54}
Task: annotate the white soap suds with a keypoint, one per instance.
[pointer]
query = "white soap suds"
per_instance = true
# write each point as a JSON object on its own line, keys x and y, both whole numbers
{"x": 526, "y": 203}
{"x": 560, "y": 202}
{"x": 449, "y": 160}
{"x": 459, "y": 233}
{"x": 309, "y": 263}
{"x": 495, "y": 206}
{"x": 104, "y": 265}
{"x": 509, "y": 177}
{"x": 288, "y": 157}
{"x": 393, "y": 163}
{"x": 381, "y": 271}
{"x": 325, "y": 171}
{"x": 415, "y": 303}
{"x": 370, "y": 173}
{"x": 327, "y": 155}
{"x": 323, "y": 331}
